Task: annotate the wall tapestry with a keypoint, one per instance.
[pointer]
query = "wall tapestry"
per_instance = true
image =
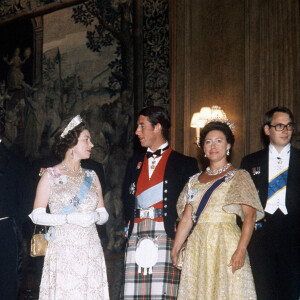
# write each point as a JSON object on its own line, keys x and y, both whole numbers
{"x": 87, "y": 69}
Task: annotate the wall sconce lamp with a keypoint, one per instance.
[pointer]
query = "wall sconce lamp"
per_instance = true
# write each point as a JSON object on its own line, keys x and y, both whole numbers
{"x": 199, "y": 119}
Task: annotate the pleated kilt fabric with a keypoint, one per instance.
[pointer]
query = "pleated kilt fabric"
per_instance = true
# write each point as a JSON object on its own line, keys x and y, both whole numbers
{"x": 164, "y": 280}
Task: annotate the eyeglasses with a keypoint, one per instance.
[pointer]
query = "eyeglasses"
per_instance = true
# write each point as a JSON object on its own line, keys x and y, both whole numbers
{"x": 281, "y": 127}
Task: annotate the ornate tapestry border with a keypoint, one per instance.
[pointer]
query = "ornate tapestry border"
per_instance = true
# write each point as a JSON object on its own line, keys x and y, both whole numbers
{"x": 156, "y": 52}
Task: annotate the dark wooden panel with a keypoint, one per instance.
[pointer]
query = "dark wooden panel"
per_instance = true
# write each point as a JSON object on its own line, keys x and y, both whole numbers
{"x": 212, "y": 68}
{"x": 273, "y": 64}
{"x": 241, "y": 55}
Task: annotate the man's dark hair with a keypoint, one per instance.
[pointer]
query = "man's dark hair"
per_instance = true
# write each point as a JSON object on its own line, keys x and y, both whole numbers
{"x": 268, "y": 117}
{"x": 157, "y": 114}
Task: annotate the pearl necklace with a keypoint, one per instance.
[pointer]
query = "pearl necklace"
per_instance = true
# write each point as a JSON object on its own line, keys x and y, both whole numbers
{"x": 74, "y": 173}
{"x": 219, "y": 171}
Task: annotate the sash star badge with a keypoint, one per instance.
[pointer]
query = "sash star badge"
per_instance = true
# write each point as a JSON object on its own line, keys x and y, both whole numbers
{"x": 132, "y": 189}
{"x": 138, "y": 166}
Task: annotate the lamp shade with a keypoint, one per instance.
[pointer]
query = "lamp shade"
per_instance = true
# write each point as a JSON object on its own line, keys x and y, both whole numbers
{"x": 196, "y": 121}
{"x": 205, "y": 113}
{"x": 199, "y": 119}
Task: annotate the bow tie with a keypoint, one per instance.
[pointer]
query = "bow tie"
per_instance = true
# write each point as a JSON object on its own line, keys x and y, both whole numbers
{"x": 156, "y": 153}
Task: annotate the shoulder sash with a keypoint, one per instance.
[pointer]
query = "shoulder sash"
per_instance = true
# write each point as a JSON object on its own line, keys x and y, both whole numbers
{"x": 75, "y": 202}
{"x": 277, "y": 183}
{"x": 205, "y": 199}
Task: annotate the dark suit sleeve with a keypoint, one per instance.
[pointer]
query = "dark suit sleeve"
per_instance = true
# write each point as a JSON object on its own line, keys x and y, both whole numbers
{"x": 100, "y": 173}
{"x": 247, "y": 164}
{"x": 25, "y": 192}
{"x": 243, "y": 163}
{"x": 128, "y": 204}
{"x": 192, "y": 167}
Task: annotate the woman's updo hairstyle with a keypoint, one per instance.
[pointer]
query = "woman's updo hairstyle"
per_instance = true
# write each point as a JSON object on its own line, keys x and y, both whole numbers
{"x": 220, "y": 126}
{"x": 69, "y": 140}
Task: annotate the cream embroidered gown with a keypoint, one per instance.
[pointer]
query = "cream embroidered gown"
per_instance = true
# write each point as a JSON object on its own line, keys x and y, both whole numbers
{"x": 74, "y": 266}
{"x": 205, "y": 274}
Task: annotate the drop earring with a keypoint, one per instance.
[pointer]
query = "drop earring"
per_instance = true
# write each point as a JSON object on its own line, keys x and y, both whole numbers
{"x": 72, "y": 154}
{"x": 204, "y": 155}
{"x": 227, "y": 152}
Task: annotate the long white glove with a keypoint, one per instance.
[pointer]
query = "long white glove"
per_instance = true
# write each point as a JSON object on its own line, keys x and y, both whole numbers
{"x": 82, "y": 219}
{"x": 102, "y": 215}
{"x": 40, "y": 217}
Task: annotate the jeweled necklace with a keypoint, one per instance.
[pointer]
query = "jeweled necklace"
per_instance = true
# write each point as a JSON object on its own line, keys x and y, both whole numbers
{"x": 219, "y": 171}
{"x": 74, "y": 173}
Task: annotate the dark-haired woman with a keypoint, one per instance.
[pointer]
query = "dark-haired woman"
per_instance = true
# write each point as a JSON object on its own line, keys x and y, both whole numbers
{"x": 74, "y": 266}
{"x": 216, "y": 264}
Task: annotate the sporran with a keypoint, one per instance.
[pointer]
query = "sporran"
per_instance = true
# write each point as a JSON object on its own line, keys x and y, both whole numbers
{"x": 146, "y": 254}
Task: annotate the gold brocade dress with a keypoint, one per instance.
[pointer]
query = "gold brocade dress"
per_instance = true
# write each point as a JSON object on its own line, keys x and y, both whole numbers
{"x": 205, "y": 274}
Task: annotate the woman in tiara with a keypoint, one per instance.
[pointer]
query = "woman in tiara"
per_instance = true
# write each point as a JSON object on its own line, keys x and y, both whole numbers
{"x": 74, "y": 266}
{"x": 216, "y": 263}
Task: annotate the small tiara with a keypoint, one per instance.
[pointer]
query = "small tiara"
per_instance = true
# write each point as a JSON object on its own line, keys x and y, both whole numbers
{"x": 225, "y": 121}
{"x": 73, "y": 123}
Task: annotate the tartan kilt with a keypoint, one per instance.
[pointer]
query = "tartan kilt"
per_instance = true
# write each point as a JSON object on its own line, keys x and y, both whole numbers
{"x": 164, "y": 280}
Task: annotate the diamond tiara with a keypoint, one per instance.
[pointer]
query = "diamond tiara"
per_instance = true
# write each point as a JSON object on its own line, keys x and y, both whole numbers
{"x": 225, "y": 121}
{"x": 73, "y": 123}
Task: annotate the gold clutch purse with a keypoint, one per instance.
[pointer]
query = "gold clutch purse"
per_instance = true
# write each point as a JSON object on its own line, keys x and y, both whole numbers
{"x": 39, "y": 244}
{"x": 180, "y": 256}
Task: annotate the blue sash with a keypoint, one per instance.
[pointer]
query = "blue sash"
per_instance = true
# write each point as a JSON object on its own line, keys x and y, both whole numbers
{"x": 150, "y": 196}
{"x": 277, "y": 183}
{"x": 76, "y": 201}
{"x": 205, "y": 199}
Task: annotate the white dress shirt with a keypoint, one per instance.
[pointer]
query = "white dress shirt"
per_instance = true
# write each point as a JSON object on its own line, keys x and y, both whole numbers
{"x": 153, "y": 161}
{"x": 278, "y": 162}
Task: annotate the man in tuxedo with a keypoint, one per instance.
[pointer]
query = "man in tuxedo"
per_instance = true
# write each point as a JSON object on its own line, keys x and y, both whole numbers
{"x": 153, "y": 183}
{"x": 17, "y": 192}
{"x": 274, "y": 249}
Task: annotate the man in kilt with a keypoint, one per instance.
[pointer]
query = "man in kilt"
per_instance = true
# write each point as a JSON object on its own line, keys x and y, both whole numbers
{"x": 153, "y": 183}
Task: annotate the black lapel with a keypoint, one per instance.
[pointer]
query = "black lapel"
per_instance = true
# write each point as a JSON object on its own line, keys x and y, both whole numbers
{"x": 292, "y": 176}
{"x": 294, "y": 161}
{"x": 264, "y": 184}
{"x": 138, "y": 166}
{"x": 169, "y": 165}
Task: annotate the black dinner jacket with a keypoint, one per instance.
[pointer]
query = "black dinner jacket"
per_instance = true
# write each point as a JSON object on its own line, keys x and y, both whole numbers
{"x": 261, "y": 159}
{"x": 16, "y": 186}
{"x": 177, "y": 172}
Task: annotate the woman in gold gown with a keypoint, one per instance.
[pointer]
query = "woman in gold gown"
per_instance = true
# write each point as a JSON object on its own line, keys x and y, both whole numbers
{"x": 216, "y": 264}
